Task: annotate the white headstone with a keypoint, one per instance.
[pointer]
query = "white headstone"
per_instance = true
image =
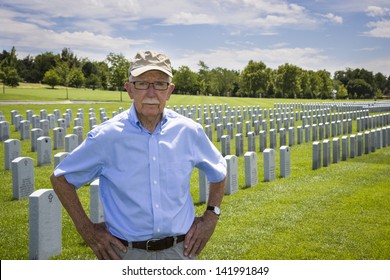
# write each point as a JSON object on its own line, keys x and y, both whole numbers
{"x": 225, "y": 145}
{"x": 59, "y": 157}
{"x": 291, "y": 136}
{"x": 285, "y": 161}
{"x": 24, "y": 130}
{"x": 316, "y": 155}
{"x": 203, "y": 187}
{"x": 44, "y": 152}
{"x": 35, "y": 134}
{"x": 79, "y": 131}
{"x": 12, "y": 150}
{"x": 45, "y": 223}
{"x": 251, "y": 141}
{"x": 263, "y": 140}
{"x": 96, "y": 207}
{"x": 71, "y": 142}
{"x": 282, "y": 137}
{"x": 272, "y": 138}
{"x": 360, "y": 144}
{"x": 336, "y": 150}
{"x": 251, "y": 169}
{"x": 35, "y": 120}
{"x": 45, "y": 126}
{"x": 232, "y": 174}
{"x": 239, "y": 144}
{"x": 352, "y": 146}
{"x": 59, "y": 138}
{"x": 326, "y": 153}
{"x": 22, "y": 177}
{"x": 344, "y": 148}
{"x": 269, "y": 165}
{"x": 5, "y": 131}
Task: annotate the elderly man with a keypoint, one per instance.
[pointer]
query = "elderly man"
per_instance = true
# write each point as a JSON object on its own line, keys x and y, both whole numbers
{"x": 144, "y": 158}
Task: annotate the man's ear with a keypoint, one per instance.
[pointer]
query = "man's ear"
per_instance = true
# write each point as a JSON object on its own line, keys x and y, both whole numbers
{"x": 128, "y": 89}
{"x": 171, "y": 88}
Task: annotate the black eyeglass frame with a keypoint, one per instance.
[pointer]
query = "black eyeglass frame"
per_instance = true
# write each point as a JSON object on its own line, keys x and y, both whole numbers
{"x": 137, "y": 86}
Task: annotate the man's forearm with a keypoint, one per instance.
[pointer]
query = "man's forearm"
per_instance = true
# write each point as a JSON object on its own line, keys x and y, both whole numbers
{"x": 71, "y": 202}
{"x": 216, "y": 193}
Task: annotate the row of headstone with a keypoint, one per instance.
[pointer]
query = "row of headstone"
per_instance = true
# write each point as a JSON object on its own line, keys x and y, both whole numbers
{"x": 255, "y": 114}
{"x": 355, "y": 145}
{"x": 251, "y": 171}
{"x": 47, "y": 122}
{"x": 298, "y": 135}
{"x": 245, "y": 112}
{"x": 43, "y": 147}
{"x": 217, "y": 115}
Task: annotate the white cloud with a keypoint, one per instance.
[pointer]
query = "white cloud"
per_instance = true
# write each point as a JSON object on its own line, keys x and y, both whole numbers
{"x": 28, "y": 36}
{"x": 375, "y": 11}
{"x": 376, "y": 65}
{"x": 333, "y": 18}
{"x": 380, "y": 29}
{"x": 185, "y": 18}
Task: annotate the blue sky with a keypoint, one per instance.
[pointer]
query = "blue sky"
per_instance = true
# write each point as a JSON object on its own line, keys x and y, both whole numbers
{"x": 312, "y": 34}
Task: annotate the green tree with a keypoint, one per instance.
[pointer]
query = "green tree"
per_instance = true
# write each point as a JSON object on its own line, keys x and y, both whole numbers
{"x": 89, "y": 68}
{"x": 42, "y": 63}
{"x": 25, "y": 68}
{"x": 254, "y": 79}
{"x": 326, "y": 85}
{"x": 359, "y": 88}
{"x": 2, "y": 79}
{"x": 204, "y": 78}
{"x": 315, "y": 84}
{"x": 222, "y": 81}
{"x": 8, "y": 59}
{"x": 381, "y": 83}
{"x": 69, "y": 58}
{"x": 288, "y": 81}
{"x": 186, "y": 81}
{"x": 305, "y": 85}
{"x": 51, "y": 78}
{"x": 103, "y": 74}
{"x": 9, "y": 73}
{"x": 93, "y": 81}
{"x": 118, "y": 69}
{"x": 76, "y": 78}
{"x": 342, "y": 92}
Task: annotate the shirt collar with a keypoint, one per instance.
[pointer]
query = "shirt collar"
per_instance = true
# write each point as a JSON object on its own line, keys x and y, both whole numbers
{"x": 133, "y": 118}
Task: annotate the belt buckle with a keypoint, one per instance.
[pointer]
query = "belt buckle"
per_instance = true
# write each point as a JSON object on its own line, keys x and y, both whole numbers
{"x": 150, "y": 240}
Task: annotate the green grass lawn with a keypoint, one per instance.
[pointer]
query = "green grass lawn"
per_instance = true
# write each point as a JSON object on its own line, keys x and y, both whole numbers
{"x": 337, "y": 212}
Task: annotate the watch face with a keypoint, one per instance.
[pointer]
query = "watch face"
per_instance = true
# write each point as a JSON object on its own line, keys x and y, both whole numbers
{"x": 217, "y": 210}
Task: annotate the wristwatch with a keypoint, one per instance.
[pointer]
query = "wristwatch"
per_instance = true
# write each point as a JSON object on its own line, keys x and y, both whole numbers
{"x": 214, "y": 209}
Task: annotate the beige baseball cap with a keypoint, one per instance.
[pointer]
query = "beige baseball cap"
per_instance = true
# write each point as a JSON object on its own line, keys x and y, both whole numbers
{"x": 150, "y": 60}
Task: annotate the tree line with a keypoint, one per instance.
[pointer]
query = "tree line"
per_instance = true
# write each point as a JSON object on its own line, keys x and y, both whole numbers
{"x": 255, "y": 80}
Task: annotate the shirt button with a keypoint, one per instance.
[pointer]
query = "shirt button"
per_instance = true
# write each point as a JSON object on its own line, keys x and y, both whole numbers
{"x": 158, "y": 230}
{"x": 154, "y": 158}
{"x": 157, "y": 205}
{"x": 155, "y": 182}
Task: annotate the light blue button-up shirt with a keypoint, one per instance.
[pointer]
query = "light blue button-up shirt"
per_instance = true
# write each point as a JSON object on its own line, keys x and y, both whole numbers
{"x": 144, "y": 176}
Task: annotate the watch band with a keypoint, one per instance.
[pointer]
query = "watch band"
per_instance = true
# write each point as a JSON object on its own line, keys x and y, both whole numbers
{"x": 214, "y": 209}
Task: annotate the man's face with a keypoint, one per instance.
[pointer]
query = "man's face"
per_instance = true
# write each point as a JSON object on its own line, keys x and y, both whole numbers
{"x": 149, "y": 102}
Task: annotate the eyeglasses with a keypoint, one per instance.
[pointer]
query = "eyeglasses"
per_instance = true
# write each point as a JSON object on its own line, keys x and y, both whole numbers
{"x": 142, "y": 85}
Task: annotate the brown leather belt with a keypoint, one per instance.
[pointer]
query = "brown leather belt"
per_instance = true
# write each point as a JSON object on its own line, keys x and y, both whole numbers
{"x": 155, "y": 244}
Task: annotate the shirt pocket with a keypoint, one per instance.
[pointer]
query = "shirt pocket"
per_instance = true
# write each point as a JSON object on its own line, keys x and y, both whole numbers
{"x": 177, "y": 180}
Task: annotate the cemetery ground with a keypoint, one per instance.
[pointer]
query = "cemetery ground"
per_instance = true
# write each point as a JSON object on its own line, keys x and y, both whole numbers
{"x": 340, "y": 212}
